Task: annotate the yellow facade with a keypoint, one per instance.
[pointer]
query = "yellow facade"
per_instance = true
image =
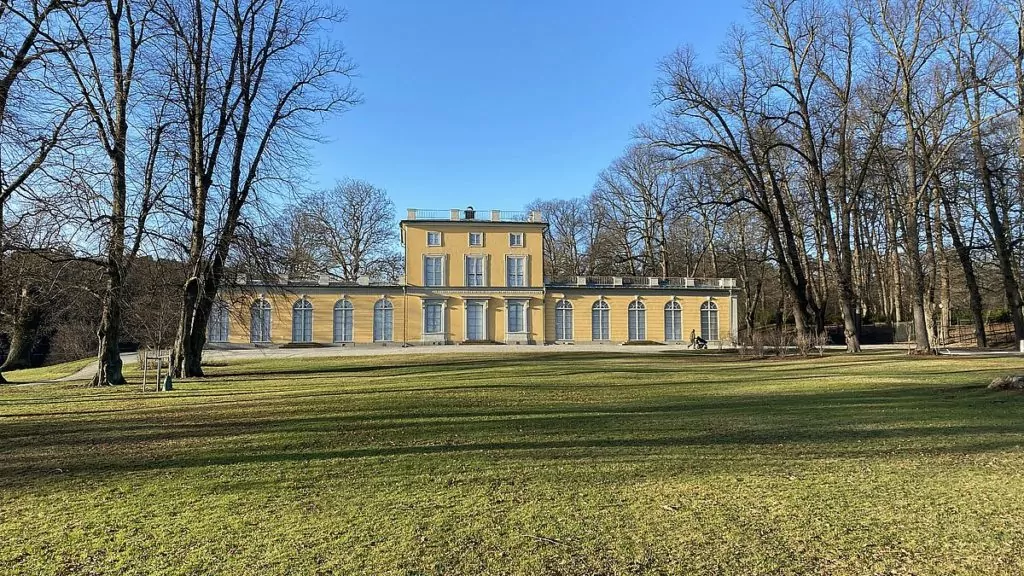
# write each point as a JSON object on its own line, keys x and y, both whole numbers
{"x": 653, "y": 317}
{"x": 282, "y": 300}
{"x": 454, "y": 248}
{"x": 474, "y": 278}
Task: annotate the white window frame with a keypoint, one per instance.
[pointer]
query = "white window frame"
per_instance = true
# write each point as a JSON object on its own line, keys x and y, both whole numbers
{"x": 440, "y": 272}
{"x": 480, "y": 237}
{"x": 385, "y": 330}
{"x": 345, "y": 308}
{"x": 636, "y": 318}
{"x": 302, "y": 321}
{"x": 523, "y": 306}
{"x": 514, "y": 243}
{"x": 522, "y": 277}
{"x": 482, "y": 303}
{"x": 440, "y": 239}
{"x": 709, "y": 326}
{"x": 482, "y": 274}
{"x": 564, "y": 331}
{"x": 217, "y": 329}
{"x": 266, "y": 323}
{"x": 427, "y": 304}
{"x": 599, "y": 328}
{"x": 673, "y": 319}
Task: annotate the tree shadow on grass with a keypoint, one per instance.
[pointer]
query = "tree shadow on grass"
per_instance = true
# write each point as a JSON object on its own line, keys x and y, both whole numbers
{"x": 832, "y": 424}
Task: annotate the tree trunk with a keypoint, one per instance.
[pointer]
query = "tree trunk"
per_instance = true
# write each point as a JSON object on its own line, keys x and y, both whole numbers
{"x": 24, "y": 328}
{"x": 963, "y": 254}
{"x": 188, "y": 348}
{"x": 1003, "y": 248}
{"x": 3, "y": 256}
{"x": 108, "y": 371}
{"x": 917, "y": 278}
{"x": 931, "y": 277}
{"x": 183, "y": 357}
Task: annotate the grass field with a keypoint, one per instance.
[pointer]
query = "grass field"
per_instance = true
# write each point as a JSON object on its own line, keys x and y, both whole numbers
{"x": 47, "y": 373}
{"x": 559, "y": 463}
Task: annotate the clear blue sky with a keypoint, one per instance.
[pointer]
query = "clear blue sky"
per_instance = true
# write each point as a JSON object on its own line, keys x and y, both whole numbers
{"x": 496, "y": 103}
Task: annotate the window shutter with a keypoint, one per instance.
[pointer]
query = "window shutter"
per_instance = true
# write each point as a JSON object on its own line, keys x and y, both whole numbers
{"x": 425, "y": 274}
{"x": 465, "y": 260}
{"x": 487, "y": 269}
{"x": 444, "y": 270}
{"x": 526, "y": 270}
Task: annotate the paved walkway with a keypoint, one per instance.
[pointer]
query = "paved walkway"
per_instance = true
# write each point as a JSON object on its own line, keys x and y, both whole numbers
{"x": 229, "y": 354}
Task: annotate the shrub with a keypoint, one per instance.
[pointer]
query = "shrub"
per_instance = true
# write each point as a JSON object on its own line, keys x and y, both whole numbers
{"x": 1007, "y": 383}
{"x": 819, "y": 341}
{"x": 999, "y": 315}
{"x": 804, "y": 343}
{"x": 757, "y": 344}
{"x": 778, "y": 341}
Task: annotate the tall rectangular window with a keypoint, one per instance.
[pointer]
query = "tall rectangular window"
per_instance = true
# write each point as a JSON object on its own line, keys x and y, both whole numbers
{"x": 637, "y": 317}
{"x": 433, "y": 270}
{"x": 516, "y": 316}
{"x": 259, "y": 327}
{"x": 673, "y": 322}
{"x": 383, "y": 321}
{"x": 433, "y": 238}
{"x": 601, "y": 321}
{"x": 476, "y": 238}
{"x": 433, "y": 317}
{"x": 515, "y": 271}
{"x": 343, "y": 321}
{"x": 217, "y": 326}
{"x": 709, "y": 321}
{"x": 515, "y": 239}
{"x": 476, "y": 321}
{"x": 474, "y": 270}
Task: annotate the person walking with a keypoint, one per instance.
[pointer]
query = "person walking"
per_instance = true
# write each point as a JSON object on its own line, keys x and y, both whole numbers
{"x": 693, "y": 338}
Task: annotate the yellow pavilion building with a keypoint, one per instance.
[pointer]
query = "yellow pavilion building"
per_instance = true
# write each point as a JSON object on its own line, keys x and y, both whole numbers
{"x": 475, "y": 276}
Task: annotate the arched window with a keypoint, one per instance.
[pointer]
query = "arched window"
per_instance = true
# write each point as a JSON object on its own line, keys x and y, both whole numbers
{"x": 637, "y": 320}
{"x": 563, "y": 320}
{"x": 383, "y": 320}
{"x": 342, "y": 321}
{"x": 709, "y": 321}
{"x": 600, "y": 322}
{"x": 673, "y": 322}
{"x": 259, "y": 326}
{"x": 302, "y": 321}
{"x": 217, "y": 327}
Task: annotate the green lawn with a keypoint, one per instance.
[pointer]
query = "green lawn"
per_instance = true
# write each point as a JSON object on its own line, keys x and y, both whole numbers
{"x": 559, "y": 463}
{"x": 50, "y": 373}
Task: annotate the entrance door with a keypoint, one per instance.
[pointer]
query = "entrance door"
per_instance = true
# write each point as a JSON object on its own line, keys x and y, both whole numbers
{"x": 475, "y": 321}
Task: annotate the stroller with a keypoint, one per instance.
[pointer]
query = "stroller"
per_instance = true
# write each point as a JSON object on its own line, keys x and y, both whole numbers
{"x": 700, "y": 343}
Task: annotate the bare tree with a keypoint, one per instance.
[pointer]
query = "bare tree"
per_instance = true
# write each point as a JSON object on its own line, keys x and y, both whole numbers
{"x": 108, "y": 71}
{"x": 638, "y": 190}
{"x": 984, "y": 47}
{"x": 903, "y": 35}
{"x": 297, "y": 249}
{"x": 31, "y": 126}
{"x": 571, "y": 232}
{"x": 283, "y": 77}
{"x": 721, "y": 112}
{"x": 355, "y": 224}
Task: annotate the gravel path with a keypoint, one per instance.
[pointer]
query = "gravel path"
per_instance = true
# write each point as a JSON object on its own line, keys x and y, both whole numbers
{"x": 227, "y": 355}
